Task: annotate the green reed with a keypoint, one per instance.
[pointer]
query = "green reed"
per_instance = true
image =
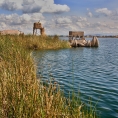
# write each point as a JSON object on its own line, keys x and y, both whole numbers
{"x": 22, "y": 95}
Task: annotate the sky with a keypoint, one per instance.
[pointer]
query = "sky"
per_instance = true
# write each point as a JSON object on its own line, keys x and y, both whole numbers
{"x": 58, "y": 17}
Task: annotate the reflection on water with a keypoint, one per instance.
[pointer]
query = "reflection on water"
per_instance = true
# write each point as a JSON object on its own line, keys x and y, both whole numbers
{"x": 93, "y": 71}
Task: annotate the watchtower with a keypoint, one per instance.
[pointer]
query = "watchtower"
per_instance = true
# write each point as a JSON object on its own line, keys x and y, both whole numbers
{"x": 37, "y": 26}
{"x": 76, "y": 34}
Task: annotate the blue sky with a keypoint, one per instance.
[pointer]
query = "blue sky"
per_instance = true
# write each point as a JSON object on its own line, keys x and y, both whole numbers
{"x": 61, "y": 16}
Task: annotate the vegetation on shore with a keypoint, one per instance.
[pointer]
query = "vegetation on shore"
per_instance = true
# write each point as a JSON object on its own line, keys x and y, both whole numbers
{"x": 22, "y": 95}
{"x": 41, "y": 42}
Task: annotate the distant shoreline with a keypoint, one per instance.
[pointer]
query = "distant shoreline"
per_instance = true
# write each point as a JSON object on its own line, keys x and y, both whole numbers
{"x": 103, "y": 37}
{"x": 88, "y": 36}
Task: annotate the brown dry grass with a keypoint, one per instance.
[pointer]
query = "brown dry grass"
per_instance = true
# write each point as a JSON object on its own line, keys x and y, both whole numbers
{"x": 21, "y": 94}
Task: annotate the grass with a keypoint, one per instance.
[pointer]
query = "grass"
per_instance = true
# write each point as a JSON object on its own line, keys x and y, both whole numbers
{"x": 39, "y": 42}
{"x": 22, "y": 95}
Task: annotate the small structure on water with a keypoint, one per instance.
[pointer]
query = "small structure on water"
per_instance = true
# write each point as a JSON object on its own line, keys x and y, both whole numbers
{"x": 77, "y": 39}
{"x": 76, "y": 34}
{"x": 38, "y": 26}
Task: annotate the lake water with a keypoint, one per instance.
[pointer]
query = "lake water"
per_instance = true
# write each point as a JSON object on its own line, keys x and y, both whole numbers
{"x": 92, "y": 71}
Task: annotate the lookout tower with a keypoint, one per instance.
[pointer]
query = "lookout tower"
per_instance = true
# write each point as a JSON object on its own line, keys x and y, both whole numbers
{"x": 38, "y": 26}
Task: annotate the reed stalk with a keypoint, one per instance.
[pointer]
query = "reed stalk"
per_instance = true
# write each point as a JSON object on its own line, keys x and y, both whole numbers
{"x": 22, "y": 95}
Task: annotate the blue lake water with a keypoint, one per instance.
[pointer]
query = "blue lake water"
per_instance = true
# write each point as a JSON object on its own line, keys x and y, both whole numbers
{"x": 92, "y": 71}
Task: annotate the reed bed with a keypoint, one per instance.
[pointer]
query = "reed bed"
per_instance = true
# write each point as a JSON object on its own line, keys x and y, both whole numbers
{"x": 22, "y": 95}
{"x": 41, "y": 42}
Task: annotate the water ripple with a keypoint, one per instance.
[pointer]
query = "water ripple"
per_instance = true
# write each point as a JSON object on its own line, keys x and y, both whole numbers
{"x": 91, "y": 71}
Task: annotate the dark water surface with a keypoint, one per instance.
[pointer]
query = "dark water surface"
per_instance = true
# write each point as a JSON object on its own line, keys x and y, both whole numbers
{"x": 92, "y": 71}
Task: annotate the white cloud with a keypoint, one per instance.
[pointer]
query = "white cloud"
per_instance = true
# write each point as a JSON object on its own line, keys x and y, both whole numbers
{"x": 98, "y": 28}
{"x": 82, "y": 19}
{"x": 55, "y": 8}
{"x": 104, "y": 11}
{"x": 87, "y": 24}
{"x": 71, "y": 27}
{"x": 33, "y": 6}
{"x": 21, "y": 22}
{"x": 80, "y": 25}
{"x": 63, "y": 20}
{"x": 2, "y": 25}
{"x": 7, "y": 5}
{"x": 32, "y": 11}
{"x": 62, "y": 25}
{"x": 89, "y": 14}
{"x": 22, "y": 19}
{"x": 96, "y": 25}
{"x": 115, "y": 18}
{"x": 27, "y": 2}
{"x": 26, "y": 17}
{"x": 11, "y": 5}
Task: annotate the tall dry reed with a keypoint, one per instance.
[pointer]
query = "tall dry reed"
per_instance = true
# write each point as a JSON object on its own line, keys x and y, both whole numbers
{"x": 22, "y": 95}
